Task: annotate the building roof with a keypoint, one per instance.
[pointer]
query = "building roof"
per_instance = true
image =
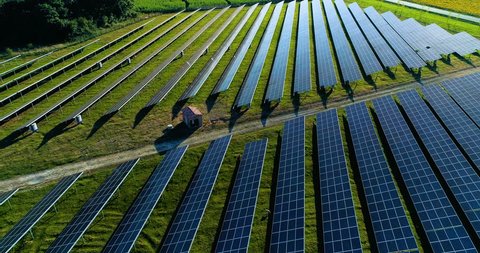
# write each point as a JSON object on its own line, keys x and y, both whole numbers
{"x": 192, "y": 110}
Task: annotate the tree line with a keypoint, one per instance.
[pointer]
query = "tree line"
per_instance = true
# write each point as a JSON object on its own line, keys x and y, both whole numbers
{"x": 42, "y": 22}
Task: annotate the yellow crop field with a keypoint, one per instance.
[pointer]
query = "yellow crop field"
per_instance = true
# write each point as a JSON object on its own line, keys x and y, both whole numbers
{"x": 471, "y": 7}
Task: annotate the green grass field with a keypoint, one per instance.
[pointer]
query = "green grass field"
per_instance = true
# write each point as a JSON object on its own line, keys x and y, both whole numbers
{"x": 51, "y": 146}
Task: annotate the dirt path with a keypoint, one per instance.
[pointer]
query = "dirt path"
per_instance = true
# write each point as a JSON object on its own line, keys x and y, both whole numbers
{"x": 89, "y": 165}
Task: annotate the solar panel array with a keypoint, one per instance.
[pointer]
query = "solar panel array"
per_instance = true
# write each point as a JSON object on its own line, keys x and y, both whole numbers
{"x": 89, "y": 211}
{"x": 279, "y": 70}
{"x": 139, "y": 87}
{"x": 5, "y": 196}
{"x": 119, "y": 64}
{"x": 20, "y": 67}
{"x": 340, "y": 228}
{"x": 127, "y": 232}
{"x": 467, "y": 42}
{"x": 403, "y": 50}
{"x": 198, "y": 82}
{"x": 245, "y": 95}
{"x": 237, "y": 224}
{"x": 465, "y": 92}
{"x": 50, "y": 64}
{"x": 185, "y": 224}
{"x": 324, "y": 61}
{"x": 73, "y": 77}
{"x": 36, "y": 213}
{"x": 163, "y": 92}
{"x": 345, "y": 57}
{"x": 439, "y": 219}
{"x": 366, "y": 55}
{"x": 428, "y": 37}
{"x": 301, "y": 79}
{"x": 445, "y": 39}
{"x": 390, "y": 224}
{"x": 382, "y": 49}
{"x": 461, "y": 178}
{"x": 416, "y": 40}
{"x": 288, "y": 225}
{"x": 461, "y": 127}
{"x": 229, "y": 73}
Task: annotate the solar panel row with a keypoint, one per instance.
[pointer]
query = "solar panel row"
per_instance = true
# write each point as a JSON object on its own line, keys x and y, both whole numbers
{"x": 69, "y": 236}
{"x": 324, "y": 61}
{"x": 279, "y": 70}
{"x": 245, "y": 95}
{"x": 36, "y": 213}
{"x": 381, "y": 47}
{"x": 237, "y": 224}
{"x": 346, "y": 60}
{"x": 198, "y": 82}
{"x": 288, "y": 226}
{"x": 5, "y": 196}
{"x": 127, "y": 232}
{"x": 340, "y": 228}
{"x": 403, "y": 50}
{"x": 390, "y": 224}
{"x": 229, "y": 73}
{"x": 465, "y": 92}
{"x": 185, "y": 224}
{"x": 302, "y": 79}
{"x": 416, "y": 40}
{"x": 163, "y": 92}
{"x": 440, "y": 222}
{"x": 427, "y": 37}
{"x": 459, "y": 175}
{"x": 365, "y": 54}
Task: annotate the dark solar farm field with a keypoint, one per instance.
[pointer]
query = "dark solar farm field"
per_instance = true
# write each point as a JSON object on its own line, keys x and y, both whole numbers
{"x": 327, "y": 126}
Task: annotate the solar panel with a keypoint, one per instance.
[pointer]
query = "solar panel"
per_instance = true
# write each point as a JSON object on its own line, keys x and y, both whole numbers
{"x": 185, "y": 224}
{"x": 46, "y": 66}
{"x": 288, "y": 226}
{"x": 340, "y": 228}
{"x": 459, "y": 175}
{"x": 245, "y": 95}
{"x": 279, "y": 70}
{"x": 366, "y": 55}
{"x": 462, "y": 128}
{"x": 390, "y": 224}
{"x": 301, "y": 79}
{"x": 198, "y": 82}
{"x": 439, "y": 219}
{"x": 346, "y": 60}
{"x": 237, "y": 224}
{"x": 427, "y": 37}
{"x": 127, "y": 232}
{"x": 466, "y": 97}
{"x": 36, "y": 213}
{"x": 67, "y": 239}
{"x": 467, "y": 42}
{"x": 403, "y": 50}
{"x": 227, "y": 77}
{"x": 381, "y": 47}
{"x": 5, "y": 196}
{"x": 324, "y": 61}
{"x": 416, "y": 40}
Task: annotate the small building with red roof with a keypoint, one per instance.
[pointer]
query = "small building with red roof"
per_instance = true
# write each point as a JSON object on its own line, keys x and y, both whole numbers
{"x": 192, "y": 117}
